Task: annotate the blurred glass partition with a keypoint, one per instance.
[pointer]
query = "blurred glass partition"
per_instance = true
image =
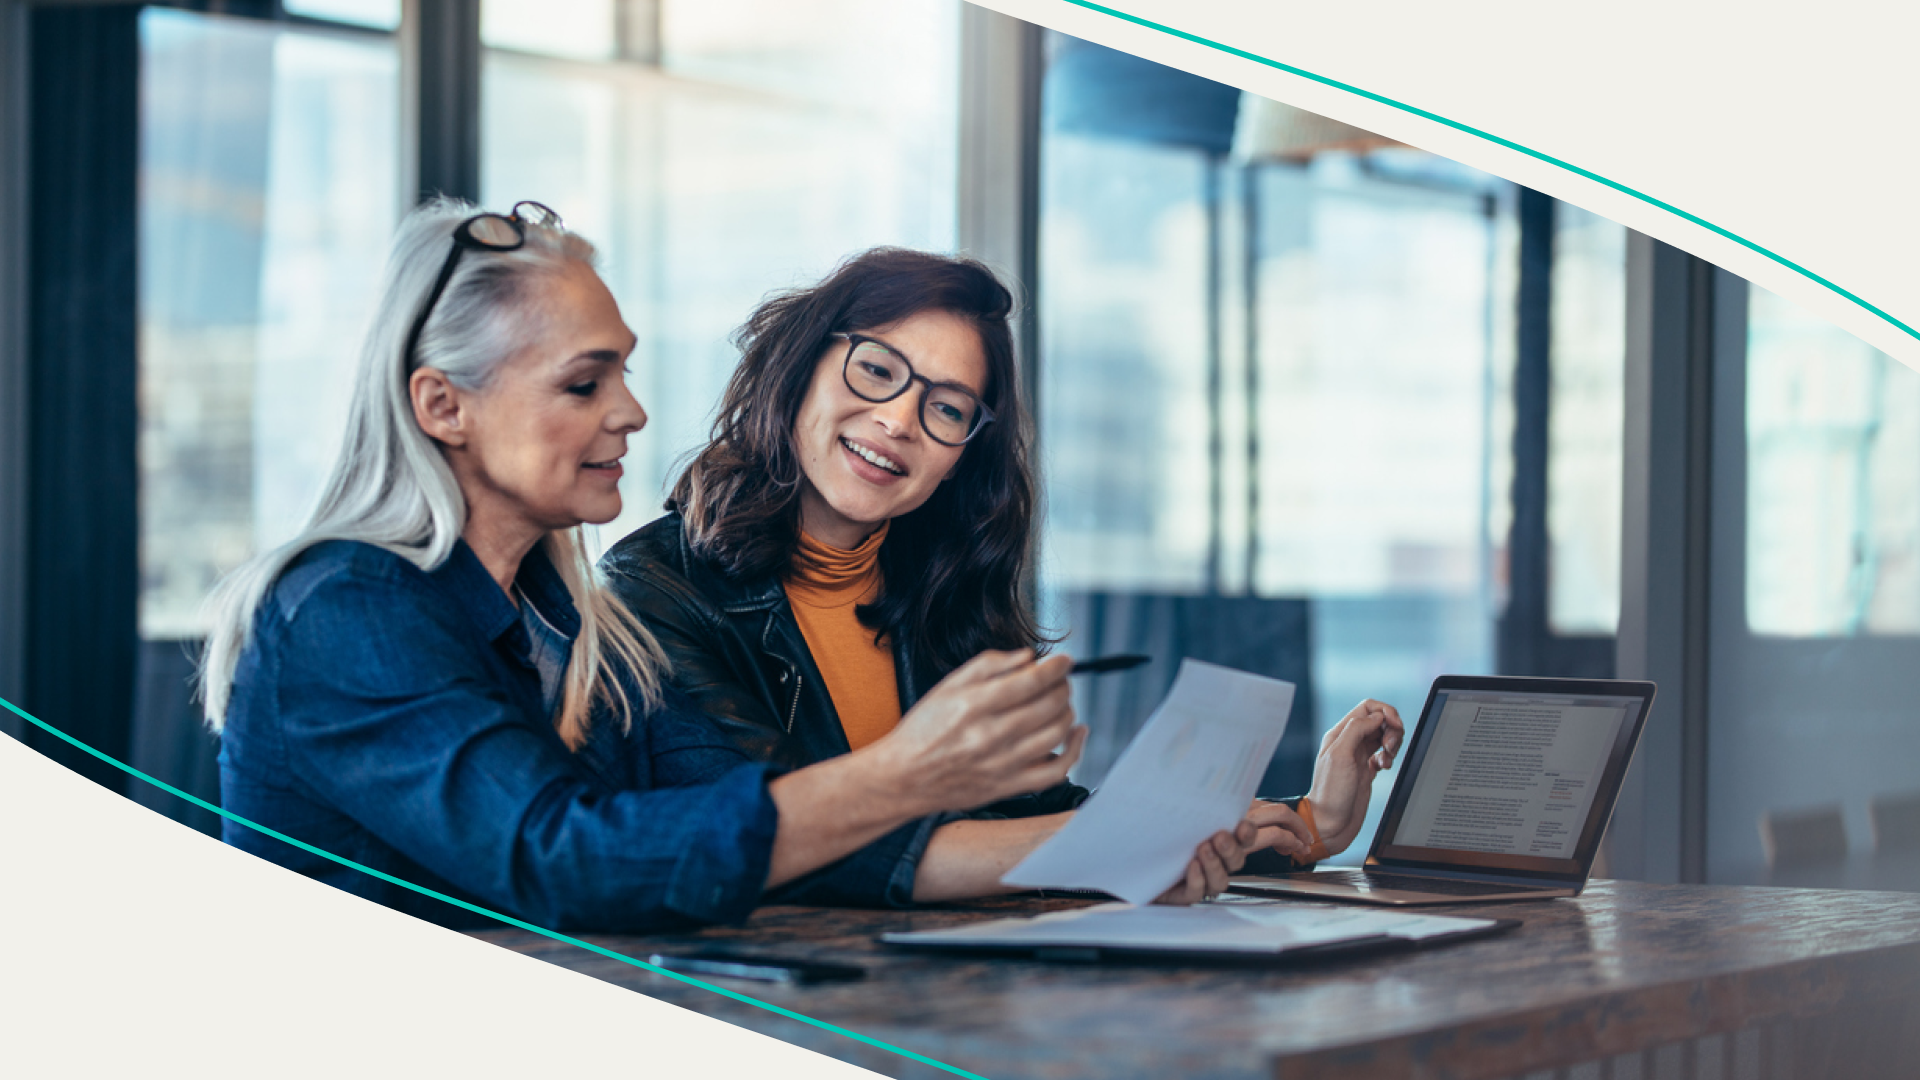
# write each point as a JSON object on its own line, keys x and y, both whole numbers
{"x": 717, "y": 151}
{"x": 1815, "y": 631}
{"x": 268, "y": 175}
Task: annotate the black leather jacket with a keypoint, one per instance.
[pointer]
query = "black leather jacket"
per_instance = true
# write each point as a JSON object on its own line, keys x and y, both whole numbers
{"x": 738, "y": 653}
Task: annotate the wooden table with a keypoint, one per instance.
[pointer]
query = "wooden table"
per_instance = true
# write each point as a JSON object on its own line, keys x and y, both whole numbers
{"x": 1702, "y": 981}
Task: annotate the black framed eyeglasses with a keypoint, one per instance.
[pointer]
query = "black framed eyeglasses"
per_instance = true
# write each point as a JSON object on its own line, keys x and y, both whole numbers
{"x": 483, "y": 232}
{"x": 950, "y": 414}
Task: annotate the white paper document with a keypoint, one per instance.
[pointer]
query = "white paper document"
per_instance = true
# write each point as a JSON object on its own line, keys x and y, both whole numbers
{"x": 1268, "y": 926}
{"x": 1189, "y": 773}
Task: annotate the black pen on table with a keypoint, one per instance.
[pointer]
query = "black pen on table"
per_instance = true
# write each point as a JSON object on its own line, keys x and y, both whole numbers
{"x": 778, "y": 969}
{"x": 1101, "y": 665}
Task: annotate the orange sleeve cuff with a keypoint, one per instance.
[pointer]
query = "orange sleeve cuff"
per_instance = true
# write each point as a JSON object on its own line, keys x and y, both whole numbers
{"x": 1319, "y": 849}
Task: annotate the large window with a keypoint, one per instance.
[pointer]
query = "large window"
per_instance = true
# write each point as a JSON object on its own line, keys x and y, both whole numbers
{"x": 268, "y": 194}
{"x": 1833, "y": 479}
{"x": 1378, "y": 302}
{"x": 1277, "y": 401}
{"x": 1269, "y": 373}
{"x": 1343, "y": 449}
{"x": 720, "y": 151}
{"x": 1127, "y": 424}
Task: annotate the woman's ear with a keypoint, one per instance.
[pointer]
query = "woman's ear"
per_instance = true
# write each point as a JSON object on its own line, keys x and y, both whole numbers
{"x": 437, "y": 406}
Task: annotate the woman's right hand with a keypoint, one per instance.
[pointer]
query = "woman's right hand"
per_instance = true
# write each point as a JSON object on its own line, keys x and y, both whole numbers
{"x": 985, "y": 732}
{"x": 1267, "y": 825}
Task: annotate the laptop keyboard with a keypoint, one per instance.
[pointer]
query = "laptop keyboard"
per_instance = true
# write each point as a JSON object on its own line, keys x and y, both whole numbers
{"x": 1374, "y": 879}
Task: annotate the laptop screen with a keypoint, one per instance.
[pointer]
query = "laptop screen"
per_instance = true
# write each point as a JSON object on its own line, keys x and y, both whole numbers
{"x": 1512, "y": 774}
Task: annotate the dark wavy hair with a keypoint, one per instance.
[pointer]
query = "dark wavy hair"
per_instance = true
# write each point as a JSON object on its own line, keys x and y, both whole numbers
{"x": 953, "y": 568}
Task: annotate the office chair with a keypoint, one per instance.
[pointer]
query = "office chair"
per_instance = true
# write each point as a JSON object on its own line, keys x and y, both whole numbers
{"x": 1803, "y": 837}
{"x": 1896, "y": 822}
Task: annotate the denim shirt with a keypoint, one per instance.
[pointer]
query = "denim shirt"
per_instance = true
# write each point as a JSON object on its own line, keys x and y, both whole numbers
{"x": 394, "y": 717}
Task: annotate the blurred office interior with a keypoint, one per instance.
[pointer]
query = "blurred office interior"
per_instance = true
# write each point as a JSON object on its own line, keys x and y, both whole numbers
{"x": 1309, "y": 402}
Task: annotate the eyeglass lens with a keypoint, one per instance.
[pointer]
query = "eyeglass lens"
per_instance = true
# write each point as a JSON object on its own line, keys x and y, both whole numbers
{"x": 877, "y": 373}
{"x": 494, "y": 231}
{"x": 536, "y": 213}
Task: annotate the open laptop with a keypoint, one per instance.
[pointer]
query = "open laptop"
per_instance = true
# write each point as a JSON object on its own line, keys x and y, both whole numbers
{"x": 1504, "y": 791}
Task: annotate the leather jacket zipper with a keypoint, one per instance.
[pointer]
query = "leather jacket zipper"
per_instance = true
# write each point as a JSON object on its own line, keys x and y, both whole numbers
{"x": 794, "y": 709}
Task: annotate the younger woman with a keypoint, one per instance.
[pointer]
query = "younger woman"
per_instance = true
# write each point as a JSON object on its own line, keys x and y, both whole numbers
{"x": 859, "y": 526}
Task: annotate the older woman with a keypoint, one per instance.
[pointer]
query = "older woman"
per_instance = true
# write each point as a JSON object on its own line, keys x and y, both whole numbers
{"x": 427, "y": 681}
{"x": 858, "y": 527}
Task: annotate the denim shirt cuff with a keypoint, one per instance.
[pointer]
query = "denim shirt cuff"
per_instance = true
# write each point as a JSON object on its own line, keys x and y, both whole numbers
{"x": 725, "y": 863}
{"x": 1057, "y": 799}
{"x": 878, "y": 875}
{"x": 906, "y": 866}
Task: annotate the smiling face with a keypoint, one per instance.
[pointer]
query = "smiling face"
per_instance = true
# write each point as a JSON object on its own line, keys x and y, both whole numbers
{"x": 538, "y": 448}
{"x": 868, "y": 462}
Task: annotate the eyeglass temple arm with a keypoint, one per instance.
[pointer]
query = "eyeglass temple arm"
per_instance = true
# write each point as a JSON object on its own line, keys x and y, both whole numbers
{"x": 433, "y": 298}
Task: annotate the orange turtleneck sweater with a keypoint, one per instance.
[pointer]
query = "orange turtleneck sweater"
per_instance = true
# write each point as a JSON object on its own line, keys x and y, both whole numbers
{"x": 824, "y": 586}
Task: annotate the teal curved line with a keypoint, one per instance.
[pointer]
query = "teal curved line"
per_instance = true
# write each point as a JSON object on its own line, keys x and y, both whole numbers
{"x": 478, "y": 910}
{"x": 1492, "y": 138}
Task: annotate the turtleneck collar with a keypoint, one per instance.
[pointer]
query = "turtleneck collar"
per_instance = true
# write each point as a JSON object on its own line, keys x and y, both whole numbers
{"x": 829, "y": 576}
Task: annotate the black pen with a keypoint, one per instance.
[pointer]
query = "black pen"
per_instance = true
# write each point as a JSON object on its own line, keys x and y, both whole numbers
{"x": 756, "y": 967}
{"x": 1101, "y": 665}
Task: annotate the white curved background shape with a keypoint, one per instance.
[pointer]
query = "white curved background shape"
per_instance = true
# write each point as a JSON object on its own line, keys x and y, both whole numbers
{"x": 1789, "y": 126}
{"x": 135, "y": 945}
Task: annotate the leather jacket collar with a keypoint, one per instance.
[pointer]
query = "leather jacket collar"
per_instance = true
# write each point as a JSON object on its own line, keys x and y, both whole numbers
{"x": 663, "y": 543}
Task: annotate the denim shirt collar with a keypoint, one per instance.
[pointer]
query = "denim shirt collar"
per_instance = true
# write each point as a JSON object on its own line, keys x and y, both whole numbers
{"x": 466, "y": 578}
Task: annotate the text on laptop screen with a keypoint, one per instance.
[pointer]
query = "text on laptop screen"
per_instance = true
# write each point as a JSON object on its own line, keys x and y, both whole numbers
{"x": 1511, "y": 776}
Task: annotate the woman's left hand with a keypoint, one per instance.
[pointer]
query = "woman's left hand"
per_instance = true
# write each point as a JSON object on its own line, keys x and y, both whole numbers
{"x": 1354, "y": 752}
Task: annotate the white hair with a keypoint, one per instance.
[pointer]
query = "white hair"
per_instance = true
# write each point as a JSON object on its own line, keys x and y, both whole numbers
{"x": 391, "y": 486}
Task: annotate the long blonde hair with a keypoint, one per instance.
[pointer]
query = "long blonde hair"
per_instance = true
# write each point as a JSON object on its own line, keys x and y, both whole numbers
{"x": 391, "y": 486}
